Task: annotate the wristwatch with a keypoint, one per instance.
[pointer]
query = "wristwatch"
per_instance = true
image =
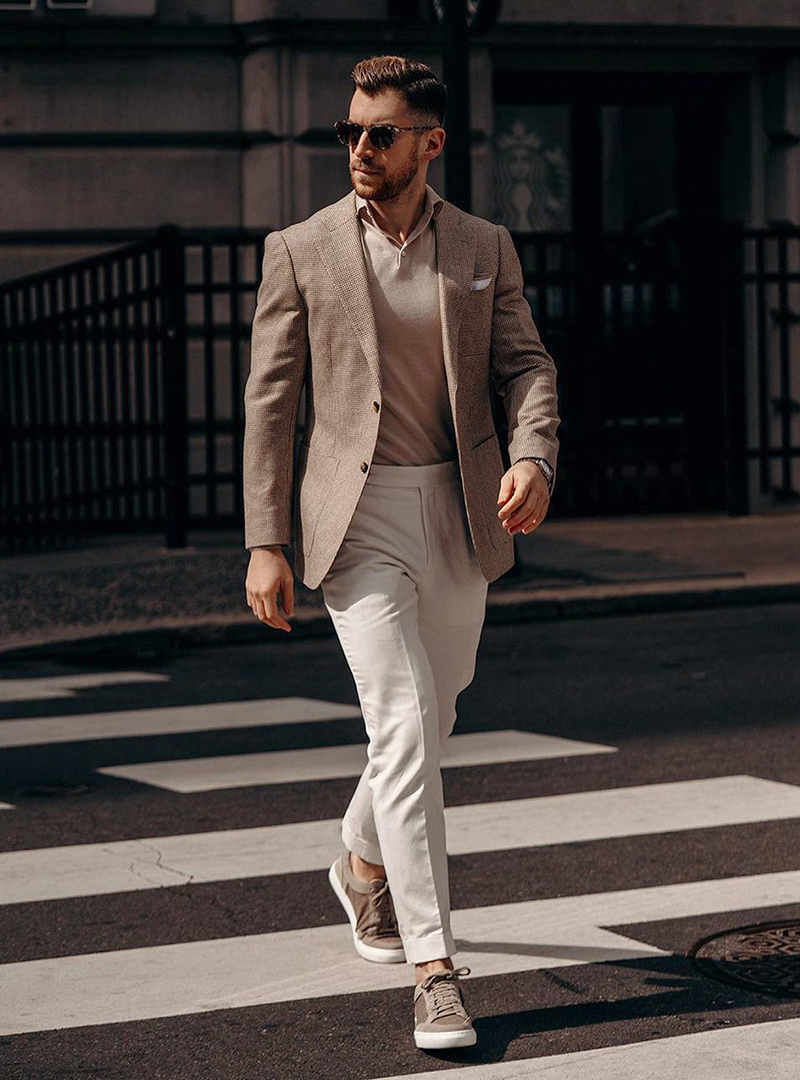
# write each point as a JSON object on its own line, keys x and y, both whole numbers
{"x": 546, "y": 469}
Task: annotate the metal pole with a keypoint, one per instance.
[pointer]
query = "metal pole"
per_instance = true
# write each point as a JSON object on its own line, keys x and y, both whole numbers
{"x": 455, "y": 62}
{"x": 173, "y": 330}
{"x": 732, "y": 266}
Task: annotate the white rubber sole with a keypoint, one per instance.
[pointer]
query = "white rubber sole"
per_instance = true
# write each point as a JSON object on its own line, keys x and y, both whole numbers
{"x": 369, "y": 952}
{"x": 445, "y": 1040}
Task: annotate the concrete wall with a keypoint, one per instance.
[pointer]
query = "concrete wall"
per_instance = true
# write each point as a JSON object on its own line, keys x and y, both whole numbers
{"x": 180, "y": 119}
{"x": 711, "y": 13}
{"x": 109, "y": 139}
{"x": 219, "y": 112}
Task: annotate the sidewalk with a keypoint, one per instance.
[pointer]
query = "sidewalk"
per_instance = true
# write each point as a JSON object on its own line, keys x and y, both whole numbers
{"x": 130, "y": 596}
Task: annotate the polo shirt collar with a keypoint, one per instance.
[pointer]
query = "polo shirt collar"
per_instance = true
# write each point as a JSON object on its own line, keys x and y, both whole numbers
{"x": 433, "y": 204}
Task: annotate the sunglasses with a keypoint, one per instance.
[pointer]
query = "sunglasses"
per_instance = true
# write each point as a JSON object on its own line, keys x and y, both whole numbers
{"x": 380, "y": 135}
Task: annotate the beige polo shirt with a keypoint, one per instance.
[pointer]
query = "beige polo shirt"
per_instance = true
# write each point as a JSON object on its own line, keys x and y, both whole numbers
{"x": 416, "y": 424}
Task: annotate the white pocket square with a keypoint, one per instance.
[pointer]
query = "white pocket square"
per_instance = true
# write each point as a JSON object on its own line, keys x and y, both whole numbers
{"x": 480, "y": 283}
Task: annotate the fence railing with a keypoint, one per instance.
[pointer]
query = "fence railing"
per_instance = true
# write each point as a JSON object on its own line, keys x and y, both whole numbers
{"x": 769, "y": 271}
{"x": 86, "y": 380}
{"x": 121, "y": 380}
{"x": 122, "y": 376}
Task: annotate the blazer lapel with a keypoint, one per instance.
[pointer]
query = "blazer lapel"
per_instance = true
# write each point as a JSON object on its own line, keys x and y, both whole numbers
{"x": 456, "y": 244}
{"x": 341, "y": 253}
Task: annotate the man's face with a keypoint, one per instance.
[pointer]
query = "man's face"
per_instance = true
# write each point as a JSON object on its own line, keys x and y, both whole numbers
{"x": 389, "y": 172}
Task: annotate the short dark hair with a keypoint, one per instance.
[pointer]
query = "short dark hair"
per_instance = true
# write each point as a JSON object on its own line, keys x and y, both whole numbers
{"x": 425, "y": 94}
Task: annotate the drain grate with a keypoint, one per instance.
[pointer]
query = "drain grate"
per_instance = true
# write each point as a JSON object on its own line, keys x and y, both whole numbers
{"x": 763, "y": 956}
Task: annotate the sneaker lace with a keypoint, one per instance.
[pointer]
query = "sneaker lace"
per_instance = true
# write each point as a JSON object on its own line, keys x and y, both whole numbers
{"x": 444, "y": 997}
{"x": 379, "y": 912}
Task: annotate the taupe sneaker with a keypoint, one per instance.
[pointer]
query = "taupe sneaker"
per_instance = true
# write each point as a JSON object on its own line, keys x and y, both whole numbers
{"x": 371, "y": 913}
{"x": 440, "y": 1019}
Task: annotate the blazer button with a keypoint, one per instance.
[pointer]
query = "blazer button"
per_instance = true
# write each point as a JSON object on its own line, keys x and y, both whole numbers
{"x": 375, "y": 406}
{"x": 364, "y": 466}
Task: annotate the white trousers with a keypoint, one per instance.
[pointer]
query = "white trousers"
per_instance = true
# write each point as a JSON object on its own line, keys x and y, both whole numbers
{"x": 408, "y": 600}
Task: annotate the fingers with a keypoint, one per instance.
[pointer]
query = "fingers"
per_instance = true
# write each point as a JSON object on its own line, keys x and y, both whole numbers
{"x": 518, "y": 501}
{"x": 265, "y": 604}
{"x": 519, "y": 506}
{"x": 537, "y": 518}
{"x": 514, "y": 503}
{"x": 527, "y": 515}
{"x": 272, "y": 616}
{"x": 288, "y": 594}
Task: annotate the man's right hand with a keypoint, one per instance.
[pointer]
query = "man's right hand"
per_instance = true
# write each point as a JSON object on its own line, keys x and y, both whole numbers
{"x": 268, "y": 574}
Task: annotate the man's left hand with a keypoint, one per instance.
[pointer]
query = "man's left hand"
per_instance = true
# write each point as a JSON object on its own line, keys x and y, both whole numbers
{"x": 525, "y": 498}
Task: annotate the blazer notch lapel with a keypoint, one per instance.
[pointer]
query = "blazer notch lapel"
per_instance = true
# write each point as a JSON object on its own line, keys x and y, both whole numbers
{"x": 456, "y": 247}
{"x": 341, "y": 253}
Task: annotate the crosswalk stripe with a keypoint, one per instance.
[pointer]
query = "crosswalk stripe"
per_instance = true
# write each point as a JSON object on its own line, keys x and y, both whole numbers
{"x": 172, "y": 720}
{"x": 158, "y": 861}
{"x": 747, "y": 1052}
{"x": 235, "y": 972}
{"x": 61, "y": 686}
{"x": 327, "y": 762}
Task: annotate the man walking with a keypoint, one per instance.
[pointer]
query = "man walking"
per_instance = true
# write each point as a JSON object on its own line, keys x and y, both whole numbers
{"x": 395, "y": 308}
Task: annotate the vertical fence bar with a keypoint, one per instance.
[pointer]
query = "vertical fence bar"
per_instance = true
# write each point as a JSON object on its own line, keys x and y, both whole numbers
{"x": 235, "y": 304}
{"x": 732, "y": 342}
{"x": 7, "y": 532}
{"x": 155, "y": 408}
{"x": 125, "y": 435}
{"x": 139, "y": 429}
{"x": 71, "y": 367}
{"x": 783, "y": 402}
{"x": 174, "y": 420}
{"x": 210, "y": 360}
{"x": 762, "y": 248}
{"x": 18, "y": 508}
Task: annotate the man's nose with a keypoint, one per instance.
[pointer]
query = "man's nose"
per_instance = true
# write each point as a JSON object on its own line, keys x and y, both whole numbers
{"x": 363, "y": 143}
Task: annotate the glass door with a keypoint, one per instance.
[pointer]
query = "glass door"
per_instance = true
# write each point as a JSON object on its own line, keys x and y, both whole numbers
{"x": 610, "y": 186}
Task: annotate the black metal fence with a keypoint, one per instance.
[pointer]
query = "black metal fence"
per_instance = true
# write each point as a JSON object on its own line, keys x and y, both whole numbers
{"x": 92, "y": 398}
{"x": 122, "y": 375}
{"x": 769, "y": 269}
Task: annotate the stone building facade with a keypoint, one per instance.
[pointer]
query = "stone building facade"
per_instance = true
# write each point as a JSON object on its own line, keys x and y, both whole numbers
{"x": 118, "y": 116}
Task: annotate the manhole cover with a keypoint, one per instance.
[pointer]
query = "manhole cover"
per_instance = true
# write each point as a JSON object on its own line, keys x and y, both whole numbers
{"x": 764, "y": 956}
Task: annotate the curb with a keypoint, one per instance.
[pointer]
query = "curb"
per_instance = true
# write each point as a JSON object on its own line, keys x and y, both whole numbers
{"x": 511, "y": 606}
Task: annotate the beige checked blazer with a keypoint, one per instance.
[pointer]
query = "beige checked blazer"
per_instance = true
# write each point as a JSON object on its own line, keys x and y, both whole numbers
{"x": 314, "y": 323}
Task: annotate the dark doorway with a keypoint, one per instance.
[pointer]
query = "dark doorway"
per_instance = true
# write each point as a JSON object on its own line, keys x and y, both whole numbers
{"x": 610, "y": 185}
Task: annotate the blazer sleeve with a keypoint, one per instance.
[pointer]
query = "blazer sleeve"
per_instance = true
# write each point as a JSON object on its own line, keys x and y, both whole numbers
{"x": 524, "y": 371}
{"x": 278, "y": 355}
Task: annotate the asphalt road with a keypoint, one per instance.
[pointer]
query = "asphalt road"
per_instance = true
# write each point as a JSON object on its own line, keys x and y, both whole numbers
{"x": 207, "y": 951}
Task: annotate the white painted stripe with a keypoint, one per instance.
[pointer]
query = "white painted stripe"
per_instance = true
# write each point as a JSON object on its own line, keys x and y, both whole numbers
{"x": 235, "y": 972}
{"x": 6, "y": 806}
{"x": 326, "y": 762}
{"x": 628, "y": 811}
{"x": 162, "y": 861}
{"x": 748, "y": 1052}
{"x": 173, "y": 720}
{"x": 61, "y": 686}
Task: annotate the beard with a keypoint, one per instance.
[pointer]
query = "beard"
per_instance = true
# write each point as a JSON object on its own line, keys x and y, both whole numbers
{"x": 389, "y": 187}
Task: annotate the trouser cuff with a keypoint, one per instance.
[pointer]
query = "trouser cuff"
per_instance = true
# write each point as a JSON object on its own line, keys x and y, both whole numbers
{"x": 369, "y": 852}
{"x": 432, "y": 947}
